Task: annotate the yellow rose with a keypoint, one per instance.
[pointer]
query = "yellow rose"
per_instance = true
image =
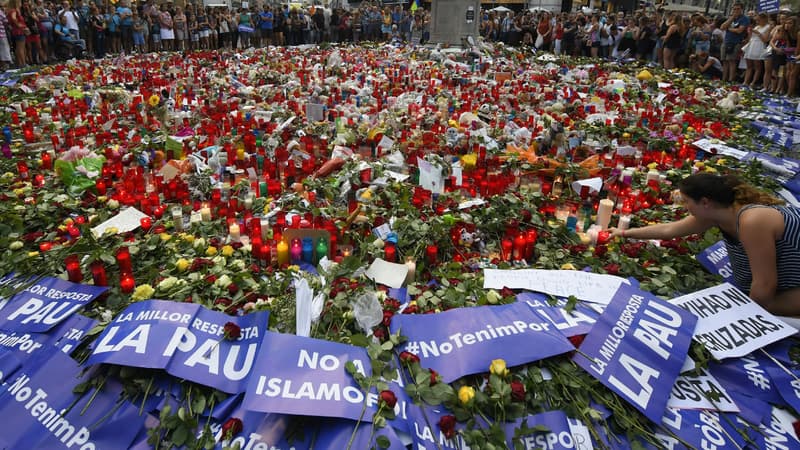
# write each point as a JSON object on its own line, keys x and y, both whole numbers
{"x": 466, "y": 394}
{"x": 142, "y": 292}
{"x": 182, "y": 264}
{"x": 211, "y": 251}
{"x": 165, "y": 237}
{"x": 16, "y": 245}
{"x": 227, "y": 250}
{"x": 469, "y": 160}
{"x": 568, "y": 266}
{"x": 498, "y": 367}
{"x": 187, "y": 237}
{"x": 32, "y": 254}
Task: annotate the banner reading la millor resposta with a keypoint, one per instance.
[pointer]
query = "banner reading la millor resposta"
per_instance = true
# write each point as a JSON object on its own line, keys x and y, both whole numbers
{"x": 637, "y": 348}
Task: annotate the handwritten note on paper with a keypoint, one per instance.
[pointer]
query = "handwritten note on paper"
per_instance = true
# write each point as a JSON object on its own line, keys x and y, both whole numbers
{"x": 591, "y": 287}
{"x": 430, "y": 177}
{"x": 127, "y": 220}
{"x": 707, "y": 145}
{"x": 385, "y": 272}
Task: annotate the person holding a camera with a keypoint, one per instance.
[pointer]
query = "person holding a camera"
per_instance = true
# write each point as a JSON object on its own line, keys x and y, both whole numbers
{"x": 735, "y": 29}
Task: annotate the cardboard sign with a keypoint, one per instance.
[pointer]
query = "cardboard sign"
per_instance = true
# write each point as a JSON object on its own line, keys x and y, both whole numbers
{"x": 729, "y": 323}
{"x": 715, "y": 260}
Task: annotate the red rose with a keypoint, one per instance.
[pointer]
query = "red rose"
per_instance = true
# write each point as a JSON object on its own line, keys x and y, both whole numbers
{"x": 517, "y": 391}
{"x": 379, "y": 334}
{"x": 600, "y": 250}
{"x": 507, "y": 292}
{"x": 577, "y": 340}
{"x": 408, "y": 357}
{"x": 387, "y": 318}
{"x": 231, "y": 428}
{"x": 232, "y": 288}
{"x": 211, "y": 278}
{"x": 612, "y": 268}
{"x": 434, "y": 377}
{"x": 448, "y": 426}
{"x": 232, "y": 331}
{"x": 389, "y": 398}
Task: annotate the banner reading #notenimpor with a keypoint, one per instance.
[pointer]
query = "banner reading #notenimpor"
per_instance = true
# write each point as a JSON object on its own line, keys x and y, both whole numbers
{"x": 464, "y": 341}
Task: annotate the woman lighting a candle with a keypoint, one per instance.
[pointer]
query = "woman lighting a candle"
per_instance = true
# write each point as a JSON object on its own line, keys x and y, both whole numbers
{"x": 761, "y": 234}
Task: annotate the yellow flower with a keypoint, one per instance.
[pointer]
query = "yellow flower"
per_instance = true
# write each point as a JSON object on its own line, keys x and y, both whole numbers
{"x": 498, "y": 367}
{"x": 32, "y": 254}
{"x": 165, "y": 237}
{"x": 568, "y": 266}
{"x": 111, "y": 231}
{"x": 182, "y": 264}
{"x": 227, "y": 250}
{"x": 187, "y": 237}
{"x": 211, "y": 251}
{"x": 466, "y": 394}
{"x": 142, "y": 292}
{"x": 154, "y": 100}
{"x": 711, "y": 169}
{"x": 16, "y": 245}
{"x": 469, "y": 160}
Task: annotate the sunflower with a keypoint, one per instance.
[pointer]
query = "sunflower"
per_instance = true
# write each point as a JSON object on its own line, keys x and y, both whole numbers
{"x": 154, "y": 100}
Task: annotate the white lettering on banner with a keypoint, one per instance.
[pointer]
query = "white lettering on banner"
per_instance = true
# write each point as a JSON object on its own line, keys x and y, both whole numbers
{"x": 672, "y": 418}
{"x": 713, "y": 434}
{"x": 618, "y": 331}
{"x": 755, "y": 374}
{"x": 570, "y": 319}
{"x": 641, "y": 373}
{"x": 548, "y": 441}
{"x": 424, "y": 433}
{"x": 253, "y": 441}
{"x": 580, "y": 434}
{"x": 137, "y": 339}
{"x": 278, "y": 387}
{"x": 326, "y": 362}
{"x": 37, "y": 311}
{"x": 170, "y": 316}
{"x": 24, "y": 343}
{"x": 208, "y": 354}
{"x": 51, "y": 419}
{"x": 654, "y": 334}
{"x": 459, "y": 340}
{"x": 718, "y": 255}
{"x": 775, "y": 436}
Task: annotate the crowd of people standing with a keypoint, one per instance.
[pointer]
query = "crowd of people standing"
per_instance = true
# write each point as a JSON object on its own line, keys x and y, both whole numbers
{"x": 34, "y": 29}
{"x": 754, "y": 49}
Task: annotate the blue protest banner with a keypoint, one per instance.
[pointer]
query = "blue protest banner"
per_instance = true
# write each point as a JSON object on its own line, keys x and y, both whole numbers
{"x": 715, "y": 260}
{"x": 768, "y": 5}
{"x": 46, "y": 303}
{"x": 751, "y": 409}
{"x": 637, "y": 348}
{"x": 552, "y": 432}
{"x": 262, "y": 431}
{"x": 69, "y": 333}
{"x": 570, "y": 323}
{"x": 434, "y": 428}
{"x": 186, "y": 339}
{"x": 748, "y": 375}
{"x": 700, "y": 429}
{"x": 41, "y": 411}
{"x": 787, "y": 383}
{"x": 9, "y": 363}
{"x": 777, "y": 432}
{"x": 338, "y": 434}
{"x": 464, "y": 341}
{"x": 305, "y": 376}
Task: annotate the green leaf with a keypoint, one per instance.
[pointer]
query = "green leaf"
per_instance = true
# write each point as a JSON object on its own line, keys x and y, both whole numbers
{"x": 359, "y": 340}
{"x": 180, "y": 435}
{"x": 382, "y": 441}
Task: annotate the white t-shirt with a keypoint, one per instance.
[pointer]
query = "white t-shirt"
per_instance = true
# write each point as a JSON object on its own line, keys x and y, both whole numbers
{"x": 72, "y": 19}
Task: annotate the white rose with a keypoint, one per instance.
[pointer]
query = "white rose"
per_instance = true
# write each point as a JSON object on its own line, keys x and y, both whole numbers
{"x": 200, "y": 243}
{"x": 223, "y": 282}
{"x": 167, "y": 283}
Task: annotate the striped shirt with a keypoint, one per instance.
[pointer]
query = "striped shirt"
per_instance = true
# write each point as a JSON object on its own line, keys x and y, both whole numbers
{"x": 787, "y": 251}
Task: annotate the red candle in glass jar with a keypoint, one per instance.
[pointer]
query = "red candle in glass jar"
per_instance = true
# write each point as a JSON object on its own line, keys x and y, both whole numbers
{"x": 431, "y": 254}
{"x": 73, "y": 265}
{"x": 127, "y": 283}
{"x": 520, "y": 244}
{"x": 124, "y": 260}
{"x": 507, "y": 247}
{"x": 530, "y": 237}
{"x": 146, "y": 223}
{"x": 390, "y": 253}
{"x": 98, "y": 273}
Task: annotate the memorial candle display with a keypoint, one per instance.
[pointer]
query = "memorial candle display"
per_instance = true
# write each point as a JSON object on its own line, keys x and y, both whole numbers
{"x": 604, "y": 213}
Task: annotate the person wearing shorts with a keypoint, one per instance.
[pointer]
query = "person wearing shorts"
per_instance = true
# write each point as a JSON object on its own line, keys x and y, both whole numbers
{"x": 735, "y": 33}
{"x": 138, "y": 32}
{"x": 179, "y": 21}
{"x": 167, "y": 32}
